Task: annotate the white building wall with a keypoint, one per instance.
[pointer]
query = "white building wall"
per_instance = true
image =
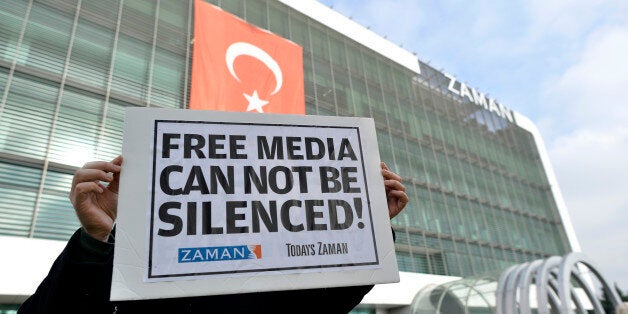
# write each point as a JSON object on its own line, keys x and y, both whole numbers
{"x": 24, "y": 265}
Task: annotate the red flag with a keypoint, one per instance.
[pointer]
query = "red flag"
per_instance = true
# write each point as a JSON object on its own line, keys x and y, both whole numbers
{"x": 239, "y": 67}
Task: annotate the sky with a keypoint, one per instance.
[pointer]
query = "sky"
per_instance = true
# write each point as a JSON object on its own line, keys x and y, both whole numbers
{"x": 561, "y": 63}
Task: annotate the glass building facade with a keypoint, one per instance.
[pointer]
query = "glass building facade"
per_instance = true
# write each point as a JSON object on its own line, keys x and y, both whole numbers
{"x": 479, "y": 195}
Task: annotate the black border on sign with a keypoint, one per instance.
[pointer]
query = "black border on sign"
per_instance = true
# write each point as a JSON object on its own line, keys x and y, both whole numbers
{"x": 152, "y": 205}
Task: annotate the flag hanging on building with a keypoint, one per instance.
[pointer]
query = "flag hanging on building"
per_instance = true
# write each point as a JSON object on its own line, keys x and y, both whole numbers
{"x": 239, "y": 67}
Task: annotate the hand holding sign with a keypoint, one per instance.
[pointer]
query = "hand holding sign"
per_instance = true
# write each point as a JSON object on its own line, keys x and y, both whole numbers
{"x": 395, "y": 191}
{"x": 95, "y": 204}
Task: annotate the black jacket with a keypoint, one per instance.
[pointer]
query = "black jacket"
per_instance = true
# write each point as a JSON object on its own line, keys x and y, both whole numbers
{"x": 80, "y": 281}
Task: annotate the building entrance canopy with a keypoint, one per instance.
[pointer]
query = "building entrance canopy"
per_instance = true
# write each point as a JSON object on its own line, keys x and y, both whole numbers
{"x": 553, "y": 285}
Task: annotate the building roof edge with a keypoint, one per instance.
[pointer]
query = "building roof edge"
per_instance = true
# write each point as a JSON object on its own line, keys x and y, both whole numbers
{"x": 355, "y": 31}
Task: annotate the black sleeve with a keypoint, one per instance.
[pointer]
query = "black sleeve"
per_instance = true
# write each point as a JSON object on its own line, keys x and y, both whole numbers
{"x": 79, "y": 280}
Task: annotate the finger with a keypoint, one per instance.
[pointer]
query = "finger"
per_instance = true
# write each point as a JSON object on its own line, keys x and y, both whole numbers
{"x": 86, "y": 175}
{"x": 104, "y": 165}
{"x": 401, "y": 196}
{"x": 387, "y": 174}
{"x": 82, "y": 190}
{"x": 384, "y": 166}
{"x": 115, "y": 184}
{"x": 117, "y": 160}
{"x": 394, "y": 185}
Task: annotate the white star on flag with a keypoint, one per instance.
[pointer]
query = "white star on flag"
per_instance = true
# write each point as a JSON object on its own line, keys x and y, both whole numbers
{"x": 254, "y": 102}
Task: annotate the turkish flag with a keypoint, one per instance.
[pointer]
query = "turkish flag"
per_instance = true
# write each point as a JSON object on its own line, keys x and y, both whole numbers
{"x": 239, "y": 67}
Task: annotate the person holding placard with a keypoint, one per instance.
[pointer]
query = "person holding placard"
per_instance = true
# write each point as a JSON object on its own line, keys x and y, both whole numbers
{"x": 80, "y": 279}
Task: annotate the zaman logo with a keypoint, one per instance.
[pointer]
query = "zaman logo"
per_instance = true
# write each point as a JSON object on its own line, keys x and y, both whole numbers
{"x": 219, "y": 253}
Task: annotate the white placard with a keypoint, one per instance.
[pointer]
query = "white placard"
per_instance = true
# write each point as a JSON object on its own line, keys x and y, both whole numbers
{"x": 222, "y": 202}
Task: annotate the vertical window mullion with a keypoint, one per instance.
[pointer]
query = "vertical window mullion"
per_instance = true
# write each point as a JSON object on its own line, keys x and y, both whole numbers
{"x": 114, "y": 49}
{"x": 188, "y": 54}
{"x": 5, "y": 94}
{"x": 54, "y": 121}
{"x": 151, "y": 64}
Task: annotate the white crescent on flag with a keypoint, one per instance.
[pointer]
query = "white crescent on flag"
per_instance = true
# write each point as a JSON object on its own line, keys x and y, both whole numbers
{"x": 245, "y": 49}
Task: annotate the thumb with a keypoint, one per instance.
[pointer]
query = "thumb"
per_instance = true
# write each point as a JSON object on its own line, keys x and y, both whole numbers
{"x": 115, "y": 183}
